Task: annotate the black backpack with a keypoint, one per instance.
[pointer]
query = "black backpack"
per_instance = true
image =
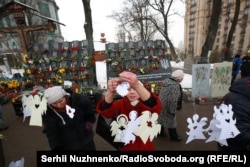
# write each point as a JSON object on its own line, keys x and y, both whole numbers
{"x": 235, "y": 65}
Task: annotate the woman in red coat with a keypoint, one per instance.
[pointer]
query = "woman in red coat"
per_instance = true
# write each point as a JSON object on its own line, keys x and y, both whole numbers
{"x": 138, "y": 99}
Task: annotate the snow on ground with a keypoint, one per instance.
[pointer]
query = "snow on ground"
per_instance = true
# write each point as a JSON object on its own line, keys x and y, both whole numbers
{"x": 179, "y": 65}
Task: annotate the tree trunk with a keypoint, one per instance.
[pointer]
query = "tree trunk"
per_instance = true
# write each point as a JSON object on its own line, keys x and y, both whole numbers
{"x": 212, "y": 30}
{"x": 172, "y": 49}
{"x": 88, "y": 27}
{"x": 231, "y": 31}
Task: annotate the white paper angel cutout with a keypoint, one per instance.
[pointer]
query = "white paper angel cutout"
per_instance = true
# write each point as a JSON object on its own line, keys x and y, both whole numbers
{"x": 38, "y": 109}
{"x": 196, "y": 128}
{"x": 70, "y": 111}
{"x": 149, "y": 127}
{"x": 131, "y": 126}
{"x": 122, "y": 89}
{"x": 25, "y": 105}
{"x": 37, "y": 104}
{"x": 214, "y": 132}
{"x": 18, "y": 163}
{"x": 227, "y": 123}
{"x": 118, "y": 128}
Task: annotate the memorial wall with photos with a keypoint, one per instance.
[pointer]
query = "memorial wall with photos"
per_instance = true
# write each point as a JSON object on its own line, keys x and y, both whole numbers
{"x": 147, "y": 59}
{"x": 54, "y": 63}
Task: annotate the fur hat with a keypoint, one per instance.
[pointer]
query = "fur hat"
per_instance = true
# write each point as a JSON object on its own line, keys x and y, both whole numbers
{"x": 245, "y": 67}
{"x": 178, "y": 74}
{"x": 54, "y": 93}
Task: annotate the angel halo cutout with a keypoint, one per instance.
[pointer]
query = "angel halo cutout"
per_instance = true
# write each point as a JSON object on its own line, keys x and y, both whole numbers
{"x": 144, "y": 126}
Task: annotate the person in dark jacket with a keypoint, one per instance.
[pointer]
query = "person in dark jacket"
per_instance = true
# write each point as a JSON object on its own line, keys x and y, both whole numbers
{"x": 237, "y": 59}
{"x": 68, "y": 120}
{"x": 239, "y": 98}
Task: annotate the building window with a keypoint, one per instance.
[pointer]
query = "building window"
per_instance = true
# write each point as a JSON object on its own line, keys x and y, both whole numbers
{"x": 225, "y": 39}
{"x": 14, "y": 45}
{"x": 233, "y": 38}
{"x": 8, "y": 21}
{"x": 218, "y": 33}
{"x": 232, "y": 46}
{"x": 248, "y": 3}
{"x": 192, "y": 16}
{"x": 246, "y": 12}
{"x": 216, "y": 47}
{"x": 193, "y": 9}
{"x": 1, "y": 24}
{"x": 44, "y": 9}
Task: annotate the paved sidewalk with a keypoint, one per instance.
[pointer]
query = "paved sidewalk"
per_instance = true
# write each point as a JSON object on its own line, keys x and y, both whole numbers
{"x": 21, "y": 140}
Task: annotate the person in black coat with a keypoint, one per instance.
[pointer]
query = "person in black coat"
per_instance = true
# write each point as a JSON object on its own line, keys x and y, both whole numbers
{"x": 239, "y": 98}
{"x": 68, "y": 120}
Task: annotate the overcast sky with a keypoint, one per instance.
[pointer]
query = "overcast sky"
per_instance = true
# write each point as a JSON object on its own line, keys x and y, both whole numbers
{"x": 71, "y": 13}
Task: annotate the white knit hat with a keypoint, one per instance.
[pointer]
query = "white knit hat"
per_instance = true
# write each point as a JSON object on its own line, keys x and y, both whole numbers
{"x": 54, "y": 93}
{"x": 178, "y": 74}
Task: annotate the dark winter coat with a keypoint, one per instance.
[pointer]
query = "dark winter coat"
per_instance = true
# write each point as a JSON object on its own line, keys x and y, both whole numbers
{"x": 65, "y": 133}
{"x": 239, "y": 98}
{"x": 171, "y": 98}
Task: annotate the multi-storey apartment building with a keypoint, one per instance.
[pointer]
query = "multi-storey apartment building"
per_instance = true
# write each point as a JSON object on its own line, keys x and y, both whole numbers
{"x": 197, "y": 19}
{"x": 47, "y": 8}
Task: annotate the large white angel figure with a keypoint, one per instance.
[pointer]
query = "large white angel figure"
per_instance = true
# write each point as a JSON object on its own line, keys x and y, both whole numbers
{"x": 37, "y": 104}
{"x": 149, "y": 127}
{"x": 196, "y": 128}
{"x": 227, "y": 123}
{"x": 214, "y": 131}
{"x": 118, "y": 128}
{"x": 132, "y": 125}
{"x": 25, "y": 105}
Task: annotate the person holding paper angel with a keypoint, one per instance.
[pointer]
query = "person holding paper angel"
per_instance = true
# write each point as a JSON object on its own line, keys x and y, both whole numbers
{"x": 68, "y": 120}
{"x": 137, "y": 103}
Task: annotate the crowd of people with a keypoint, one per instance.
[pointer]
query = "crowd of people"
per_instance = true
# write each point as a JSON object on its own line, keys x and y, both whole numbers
{"x": 68, "y": 122}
